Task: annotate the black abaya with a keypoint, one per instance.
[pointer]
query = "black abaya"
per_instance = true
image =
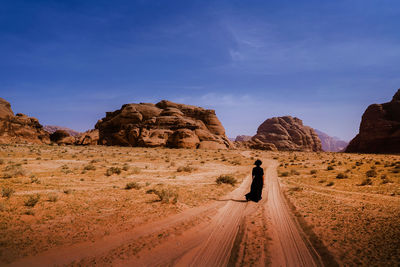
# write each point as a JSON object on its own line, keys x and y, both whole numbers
{"x": 256, "y": 185}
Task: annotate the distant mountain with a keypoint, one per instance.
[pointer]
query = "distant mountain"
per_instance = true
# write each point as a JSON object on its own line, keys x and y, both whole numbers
{"x": 242, "y": 138}
{"x": 52, "y": 128}
{"x": 331, "y": 144}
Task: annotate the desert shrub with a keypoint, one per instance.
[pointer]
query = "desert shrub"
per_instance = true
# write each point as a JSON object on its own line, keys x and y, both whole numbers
{"x": 7, "y": 192}
{"x": 67, "y": 191}
{"x": 13, "y": 171}
{"x": 132, "y": 185}
{"x": 296, "y": 189}
{"x": 112, "y": 170}
{"x": 322, "y": 181}
{"x": 1, "y": 161}
{"x": 32, "y": 200}
{"x": 52, "y": 198}
{"x": 34, "y": 179}
{"x": 313, "y": 171}
{"x": 284, "y": 174}
{"x": 165, "y": 195}
{"x": 136, "y": 170}
{"x": 125, "y": 167}
{"x": 294, "y": 172}
{"x": 341, "y": 176}
{"x": 330, "y": 183}
{"x": 330, "y": 168}
{"x": 366, "y": 181}
{"x": 89, "y": 167}
{"x": 371, "y": 173}
{"x": 226, "y": 179}
{"x": 186, "y": 168}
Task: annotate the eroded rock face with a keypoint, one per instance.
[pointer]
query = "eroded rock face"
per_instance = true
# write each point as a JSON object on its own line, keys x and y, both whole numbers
{"x": 90, "y": 137}
{"x": 165, "y": 124}
{"x": 62, "y": 137}
{"x": 285, "y": 134}
{"x": 331, "y": 144}
{"x": 20, "y": 128}
{"x": 52, "y": 128}
{"x": 379, "y": 129}
{"x": 242, "y": 138}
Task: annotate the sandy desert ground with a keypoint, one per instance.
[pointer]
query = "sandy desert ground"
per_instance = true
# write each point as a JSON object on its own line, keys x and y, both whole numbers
{"x": 118, "y": 206}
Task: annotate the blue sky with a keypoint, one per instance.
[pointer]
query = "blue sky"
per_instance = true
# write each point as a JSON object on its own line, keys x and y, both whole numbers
{"x": 68, "y": 62}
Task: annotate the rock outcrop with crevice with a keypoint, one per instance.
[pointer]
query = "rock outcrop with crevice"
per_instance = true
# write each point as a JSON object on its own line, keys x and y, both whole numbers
{"x": 165, "y": 124}
{"x": 379, "y": 129}
{"x": 20, "y": 128}
{"x": 285, "y": 134}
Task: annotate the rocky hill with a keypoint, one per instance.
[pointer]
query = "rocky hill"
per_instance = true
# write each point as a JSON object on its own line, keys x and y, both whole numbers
{"x": 331, "y": 144}
{"x": 52, "y": 128}
{"x": 165, "y": 124}
{"x": 20, "y": 128}
{"x": 242, "y": 138}
{"x": 286, "y": 134}
{"x": 379, "y": 129}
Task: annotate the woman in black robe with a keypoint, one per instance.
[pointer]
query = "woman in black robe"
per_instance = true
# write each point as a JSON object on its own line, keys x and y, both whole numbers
{"x": 257, "y": 184}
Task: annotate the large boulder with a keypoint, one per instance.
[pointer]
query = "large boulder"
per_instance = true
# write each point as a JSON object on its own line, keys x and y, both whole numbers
{"x": 52, "y": 128}
{"x": 165, "y": 124}
{"x": 285, "y": 134}
{"x": 20, "y": 128}
{"x": 379, "y": 129}
{"x": 331, "y": 144}
{"x": 90, "y": 137}
{"x": 62, "y": 137}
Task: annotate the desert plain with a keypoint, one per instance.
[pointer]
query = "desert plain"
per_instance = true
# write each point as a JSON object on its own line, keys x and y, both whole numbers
{"x": 99, "y": 205}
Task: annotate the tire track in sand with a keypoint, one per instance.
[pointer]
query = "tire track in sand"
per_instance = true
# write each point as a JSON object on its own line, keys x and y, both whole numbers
{"x": 289, "y": 245}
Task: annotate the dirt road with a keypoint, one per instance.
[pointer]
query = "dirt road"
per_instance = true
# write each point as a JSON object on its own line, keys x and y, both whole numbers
{"x": 228, "y": 232}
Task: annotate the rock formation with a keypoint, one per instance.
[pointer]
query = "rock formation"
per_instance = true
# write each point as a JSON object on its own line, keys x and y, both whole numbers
{"x": 286, "y": 134}
{"x": 331, "y": 144}
{"x": 165, "y": 124}
{"x": 52, "y": 128}
{"x": 62, "y": 137}
{"x": 90, "y": 137}
{"x": 20, "y": 128}
{"x": 242, "y": 138}
{"x": 379, "y": 129}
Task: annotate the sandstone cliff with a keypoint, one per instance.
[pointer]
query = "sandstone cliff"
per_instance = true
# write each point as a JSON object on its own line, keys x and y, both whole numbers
{"x": 379, "y": 129}
{"x": 165, "y": 124}
{"x": 285, "y": 134}
{"x": 20, "y": 128}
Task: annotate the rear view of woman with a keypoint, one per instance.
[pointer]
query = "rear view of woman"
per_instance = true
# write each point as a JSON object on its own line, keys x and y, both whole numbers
{"x": 257, "y": 184}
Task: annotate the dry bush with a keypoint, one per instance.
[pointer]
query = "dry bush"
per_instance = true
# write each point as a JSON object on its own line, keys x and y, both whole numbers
{"x": 341, "y": 176}
{"x": 284, "y": 174}
{"x": 294, "y": 172}
{"x": 132, "y": 185}
{"x": 330, "y": 183}
{"x": 112, "y": 170}
{"x": 165, "y": 195}
{"x": 89, "y": 167}
{"x": 371, "y": 173}
{"x": 186, "y": 168}
{"x": 313, "y": 171}
{"x": 366, "y": 181}
{"x": 52, "y": 198}
{"x": 32, "y": 200}
{"x": 330, "y": 168}
{"x": 226, "y": 179}
{"x": 13, "y": 171}
{"x": 7, "y": 192}
{"x": 136, "y": 170}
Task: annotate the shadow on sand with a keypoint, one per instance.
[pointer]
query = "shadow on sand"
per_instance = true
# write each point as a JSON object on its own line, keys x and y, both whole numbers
{"x": 231, "y": 199}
